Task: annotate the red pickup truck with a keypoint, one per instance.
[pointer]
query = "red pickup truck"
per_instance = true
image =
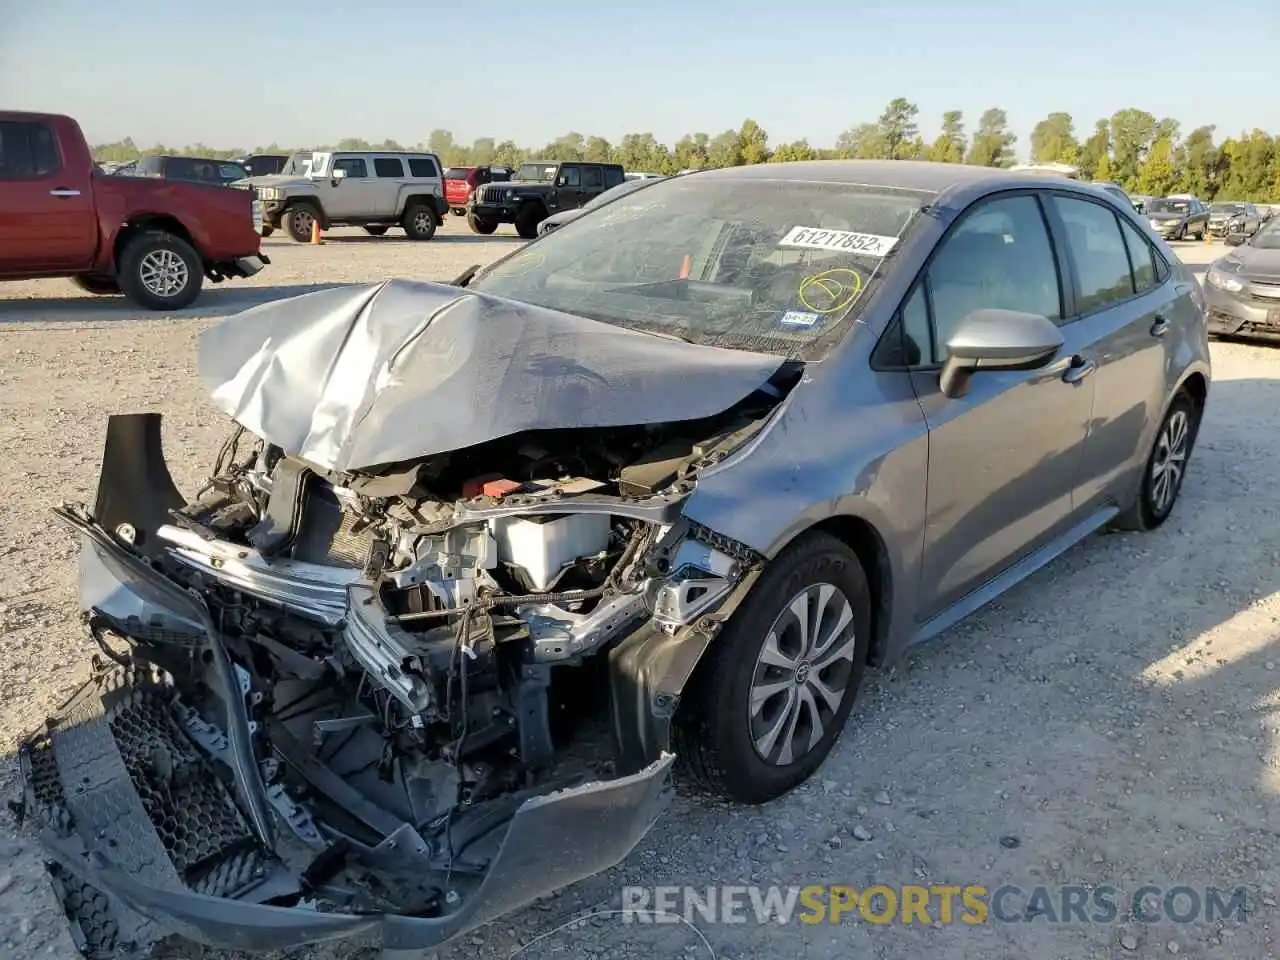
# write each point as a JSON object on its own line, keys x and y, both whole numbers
{"x": 153, "y": 240}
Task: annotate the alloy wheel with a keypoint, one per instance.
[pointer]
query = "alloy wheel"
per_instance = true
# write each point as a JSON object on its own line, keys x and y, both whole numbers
{"x": 163, "y": 273}
{"x": 1169, "y": 463}
{"x": 801, "y": 674}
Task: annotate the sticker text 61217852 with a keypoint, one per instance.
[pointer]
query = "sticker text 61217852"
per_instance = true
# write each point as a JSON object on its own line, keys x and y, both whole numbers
{"x": 867, "y": 244}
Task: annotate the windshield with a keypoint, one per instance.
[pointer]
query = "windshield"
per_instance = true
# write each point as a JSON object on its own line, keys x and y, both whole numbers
{"x": 457, "y": 173}
{"x": 1227, "y": 208}
{"x": 298, "y": 165}
{"x": 1268, "y": 238}
{"x": 1168, "y": 206}
{"x": 776, "y": 266}
{"x": 613, "y": 193}
{"x": 536, "y": 172}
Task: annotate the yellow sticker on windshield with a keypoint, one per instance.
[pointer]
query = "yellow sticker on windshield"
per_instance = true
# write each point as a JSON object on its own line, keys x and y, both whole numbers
{"x": 830, "y": 291}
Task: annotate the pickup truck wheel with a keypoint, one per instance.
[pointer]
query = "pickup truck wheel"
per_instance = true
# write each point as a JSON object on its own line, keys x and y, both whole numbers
{"x": 98, "y": 286}
{"x": 161, "y": 271}
{"x": 298, "y": 219}
{"x": 484, "y": 227}
{"x": 527, "y": 220}
{"x": 419, "y": 221}
{"x": 375, "y": 229}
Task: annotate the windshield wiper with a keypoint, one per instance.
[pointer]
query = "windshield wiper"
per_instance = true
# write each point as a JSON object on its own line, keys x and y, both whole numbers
{"x": 465, "y": 277}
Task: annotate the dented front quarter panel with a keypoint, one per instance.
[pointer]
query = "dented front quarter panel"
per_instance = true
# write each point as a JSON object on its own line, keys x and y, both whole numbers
{"x": 848, "y": 443}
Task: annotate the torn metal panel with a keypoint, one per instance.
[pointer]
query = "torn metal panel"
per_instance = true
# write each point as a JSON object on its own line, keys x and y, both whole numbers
{"x": 384, "y": 373}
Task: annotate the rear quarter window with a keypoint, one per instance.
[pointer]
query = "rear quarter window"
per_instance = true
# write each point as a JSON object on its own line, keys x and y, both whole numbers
{"x": 423, "y": 167}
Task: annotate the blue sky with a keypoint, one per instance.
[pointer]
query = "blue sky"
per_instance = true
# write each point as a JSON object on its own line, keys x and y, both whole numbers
{"x": 307, "y": 72}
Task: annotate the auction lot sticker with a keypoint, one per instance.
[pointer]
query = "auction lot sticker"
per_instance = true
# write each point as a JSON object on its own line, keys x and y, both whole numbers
{"x": 813, "y": 238}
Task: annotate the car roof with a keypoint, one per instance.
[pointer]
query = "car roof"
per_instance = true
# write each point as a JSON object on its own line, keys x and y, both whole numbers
{"x": 905, "y": 174}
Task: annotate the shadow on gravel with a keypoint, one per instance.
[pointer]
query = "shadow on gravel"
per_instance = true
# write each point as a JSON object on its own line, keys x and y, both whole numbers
{"x": 214, "y": 301}
{"x": 1108, "y": 722}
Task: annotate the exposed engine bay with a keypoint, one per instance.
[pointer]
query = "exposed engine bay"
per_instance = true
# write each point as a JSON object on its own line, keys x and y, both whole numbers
{"x": 410, "y": 697}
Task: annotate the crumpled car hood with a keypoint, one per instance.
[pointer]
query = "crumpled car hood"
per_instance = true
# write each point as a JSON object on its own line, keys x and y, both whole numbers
{"x": 373, "y": 374}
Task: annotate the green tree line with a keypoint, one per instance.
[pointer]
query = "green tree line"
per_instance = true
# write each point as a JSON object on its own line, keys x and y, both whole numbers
{"x": 1143, "y": 154}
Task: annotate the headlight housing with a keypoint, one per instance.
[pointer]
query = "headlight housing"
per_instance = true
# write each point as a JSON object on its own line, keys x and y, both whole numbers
{"x": 1224, "y": 281}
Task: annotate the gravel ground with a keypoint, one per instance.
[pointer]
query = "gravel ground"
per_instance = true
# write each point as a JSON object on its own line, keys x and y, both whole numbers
{"x": 1112, "y": 721}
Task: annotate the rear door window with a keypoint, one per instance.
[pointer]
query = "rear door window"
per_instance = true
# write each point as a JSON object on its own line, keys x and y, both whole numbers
{"x": 1142, "y": 257}
{"x": 389, "y": 167}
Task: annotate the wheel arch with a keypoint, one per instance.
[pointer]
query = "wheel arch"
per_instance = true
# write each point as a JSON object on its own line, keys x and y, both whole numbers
{"x": 313, "y": 202}
{"x": 141, "y": 224}
{"x": 868, "y": 545}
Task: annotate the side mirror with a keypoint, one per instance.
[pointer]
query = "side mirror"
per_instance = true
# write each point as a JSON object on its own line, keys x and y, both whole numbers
{"x": 997, "y": 340}
{"x": 562, "y": 181}
{"x": 339, "y": 174}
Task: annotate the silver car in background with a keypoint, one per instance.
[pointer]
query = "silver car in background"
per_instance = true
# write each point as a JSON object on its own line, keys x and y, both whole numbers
{"x": 480, "y": 564}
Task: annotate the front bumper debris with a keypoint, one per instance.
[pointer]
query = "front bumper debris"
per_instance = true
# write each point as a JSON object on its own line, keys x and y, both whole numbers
{"x": 139, "y": 851}
{"x": 156, "y": 822}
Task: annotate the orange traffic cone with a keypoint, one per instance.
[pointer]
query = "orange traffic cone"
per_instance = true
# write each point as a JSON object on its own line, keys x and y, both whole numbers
{"x": 315, "y": 231}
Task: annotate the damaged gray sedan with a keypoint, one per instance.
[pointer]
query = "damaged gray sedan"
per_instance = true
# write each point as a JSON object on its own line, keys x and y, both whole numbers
{"x": 479, "y": 564}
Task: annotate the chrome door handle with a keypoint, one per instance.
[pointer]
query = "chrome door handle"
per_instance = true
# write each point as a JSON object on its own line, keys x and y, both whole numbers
{"x": 63, "y": 192}
{"x": 1078, "y": 369}
{"x": 1160, "y": 327}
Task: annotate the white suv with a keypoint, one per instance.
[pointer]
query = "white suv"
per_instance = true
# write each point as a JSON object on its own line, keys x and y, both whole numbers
{"x": 374, "y": 190}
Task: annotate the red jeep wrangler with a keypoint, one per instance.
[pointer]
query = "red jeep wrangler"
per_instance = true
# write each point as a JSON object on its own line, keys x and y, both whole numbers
{"x": 461, "y": 182}
{"x": 153, "y": 240}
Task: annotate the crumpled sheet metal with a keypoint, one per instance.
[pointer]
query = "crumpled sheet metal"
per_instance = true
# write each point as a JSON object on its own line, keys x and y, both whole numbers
{"x": 374, "y": 374}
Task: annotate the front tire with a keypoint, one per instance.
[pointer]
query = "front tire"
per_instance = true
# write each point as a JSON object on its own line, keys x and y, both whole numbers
{"x": 1166, "y": 467}
{"x": 482, "y": 227}
{"x": 299, "y": 219}
{"x": 161, "y": 271}
{"x": 419, "y": 222}
{"x": 527, "y": 220}
{"x": 98, "y": 286}
{"x": 775, "y": 688}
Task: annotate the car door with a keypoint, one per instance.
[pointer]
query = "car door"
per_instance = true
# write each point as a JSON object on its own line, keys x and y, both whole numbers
{"x": 1127, "y": 303}
{"x": 350, "y": 196}
{"x": 1003, "y": 459}
{"x": 47, "y": 217}
{"x": 389, "y": 174}
{"x": 592, "y": 183}
{"x": 568, "y": 194}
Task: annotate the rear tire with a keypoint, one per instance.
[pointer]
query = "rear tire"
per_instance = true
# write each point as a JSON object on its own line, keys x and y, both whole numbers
{"x": 160, "y": 271}
{"x": 298, "y": 220}
{"x": 419, "y": 221}
{"x": 482, "y": 227}
{"x": 1168, "y": 459}
{"x": 98, "y": 286}
{"x": 738, "y": 731}
{"x": 376, "y": 229}
{"x": 527, "y": 220}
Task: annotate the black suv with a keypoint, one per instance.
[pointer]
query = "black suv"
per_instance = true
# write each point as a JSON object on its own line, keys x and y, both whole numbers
{"x": 538, "y": 189}
{"x": 190, "y": 169}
